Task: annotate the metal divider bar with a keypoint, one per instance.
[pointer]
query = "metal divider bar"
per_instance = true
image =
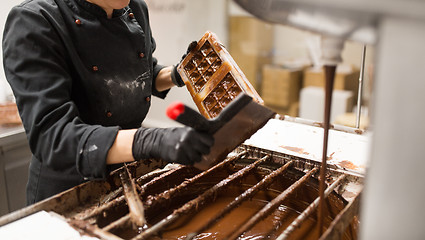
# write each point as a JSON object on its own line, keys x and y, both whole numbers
{"x": 118, "y": 223}
{"x": 309, "y": 210}
{"x": 169, "y": 194}
{"x": 272, "y": 205}
{"x": 124, "y": 220}
{"x": 342, "y": 220}
{"x": 97, "y": 211}
{"x": 121, "y": 199}
{"x": 197, "y": 203}
{"x": 151, "y": 175}
{"x": 92, "y": 230}
{"x": 141, "y": 180}
{"x": 265, "y": 182}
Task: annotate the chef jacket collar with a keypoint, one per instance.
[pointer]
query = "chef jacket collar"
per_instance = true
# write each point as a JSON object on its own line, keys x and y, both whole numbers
{"x": 98, "y": 11}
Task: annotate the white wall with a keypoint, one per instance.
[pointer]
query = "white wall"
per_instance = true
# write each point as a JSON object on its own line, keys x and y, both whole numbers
{"x": 5, "y": 6}
{"x": 175, "y": 23}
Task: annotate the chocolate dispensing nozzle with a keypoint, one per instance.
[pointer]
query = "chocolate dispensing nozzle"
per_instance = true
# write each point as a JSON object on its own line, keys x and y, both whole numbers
{"x": 331, "y": 57}
{"x": 236, "y": 123}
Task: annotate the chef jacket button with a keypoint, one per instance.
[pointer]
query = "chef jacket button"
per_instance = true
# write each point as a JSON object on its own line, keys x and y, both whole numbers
{"x": 95, "y": 68}
{"x": 108, "y": 114}
{"x": 131, "y": 15}
{"x": 141, "y": 55}
{"x": 78, "y": 22}
{"x": 148, "y": 99}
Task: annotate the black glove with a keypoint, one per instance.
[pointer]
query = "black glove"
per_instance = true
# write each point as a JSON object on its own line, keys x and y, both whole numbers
{"x": 175, "y": 76}
{"x": 182, "y": 145}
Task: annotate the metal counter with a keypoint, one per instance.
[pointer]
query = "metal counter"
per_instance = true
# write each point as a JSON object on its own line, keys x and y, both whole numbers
{"x": 15, "y": 157}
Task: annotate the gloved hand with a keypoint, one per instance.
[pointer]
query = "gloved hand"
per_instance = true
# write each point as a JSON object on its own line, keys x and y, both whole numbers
{"x": 182, "y": 145}
{"x": 175, "y": 76}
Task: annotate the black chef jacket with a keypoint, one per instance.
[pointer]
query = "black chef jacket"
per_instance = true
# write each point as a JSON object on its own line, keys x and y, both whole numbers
{"x": 78, "y": 77}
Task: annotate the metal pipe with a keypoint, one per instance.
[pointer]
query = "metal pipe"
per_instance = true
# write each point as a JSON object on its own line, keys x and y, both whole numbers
{"x": 99, "y": 210}
{"x": 265, "y": 182}
{"x": 120, "y": 200}
{"x": 167, "y": 195}
{"x": 124, "y": 220}
{"x": 360, "y": 92}
{"x": 149, "y": 176}
{"x": 118, "y": 223}
{"x": 314, "y": 123}
{"x": 342, "y": 220}
{"x": 197, "y": 203}
{"x": 110, "y": 196}
{"x": 164, "y": 179}
{"x": 309, "y": 210}
{"x": 272, "y": 205}
{"x": 141, "y": 180}
{"x": 92, "y": 230}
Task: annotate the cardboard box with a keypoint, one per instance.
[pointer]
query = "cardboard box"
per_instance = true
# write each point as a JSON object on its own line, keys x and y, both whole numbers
{"x": 250, "y": 44}
{"x": 280, "y": 86}
{"x": 349, "y": 119}
{"x": 251, "y": 66}
{"x": 292, "y": 110}
{"x": 344, "y": 80}
{"x": 9, "y": 114}
{"x": 250, "y": 35}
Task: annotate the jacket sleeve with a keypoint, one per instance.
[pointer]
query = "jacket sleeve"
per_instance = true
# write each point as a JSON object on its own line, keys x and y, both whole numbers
{"x": 36, "y": 67}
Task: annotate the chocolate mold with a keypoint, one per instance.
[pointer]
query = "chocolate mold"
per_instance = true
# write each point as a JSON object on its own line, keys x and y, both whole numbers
{"x": 213, "y": 78}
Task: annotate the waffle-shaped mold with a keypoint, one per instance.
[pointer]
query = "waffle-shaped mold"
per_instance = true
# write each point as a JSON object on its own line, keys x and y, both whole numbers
{"x": 212, "y": 77}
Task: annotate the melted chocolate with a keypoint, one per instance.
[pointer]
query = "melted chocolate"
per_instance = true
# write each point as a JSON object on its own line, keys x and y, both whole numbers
{"x": 271, "y": 225}
{"x": 330, "y": 76}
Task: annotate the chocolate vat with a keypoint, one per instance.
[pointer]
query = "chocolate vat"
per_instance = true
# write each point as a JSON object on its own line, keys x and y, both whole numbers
{"x": 180, "y": 200}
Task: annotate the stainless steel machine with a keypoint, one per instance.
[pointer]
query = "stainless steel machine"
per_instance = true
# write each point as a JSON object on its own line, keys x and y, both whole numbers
{"x": 253, "y": 193}
{"x": 392, "y": 206}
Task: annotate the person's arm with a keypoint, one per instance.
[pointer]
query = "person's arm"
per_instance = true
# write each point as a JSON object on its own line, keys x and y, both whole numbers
{"x": 121, "y": 150}
{"x": 182, "y": 145}
{"x": 163, "y": 80}
{"x": 168, "y": 77}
